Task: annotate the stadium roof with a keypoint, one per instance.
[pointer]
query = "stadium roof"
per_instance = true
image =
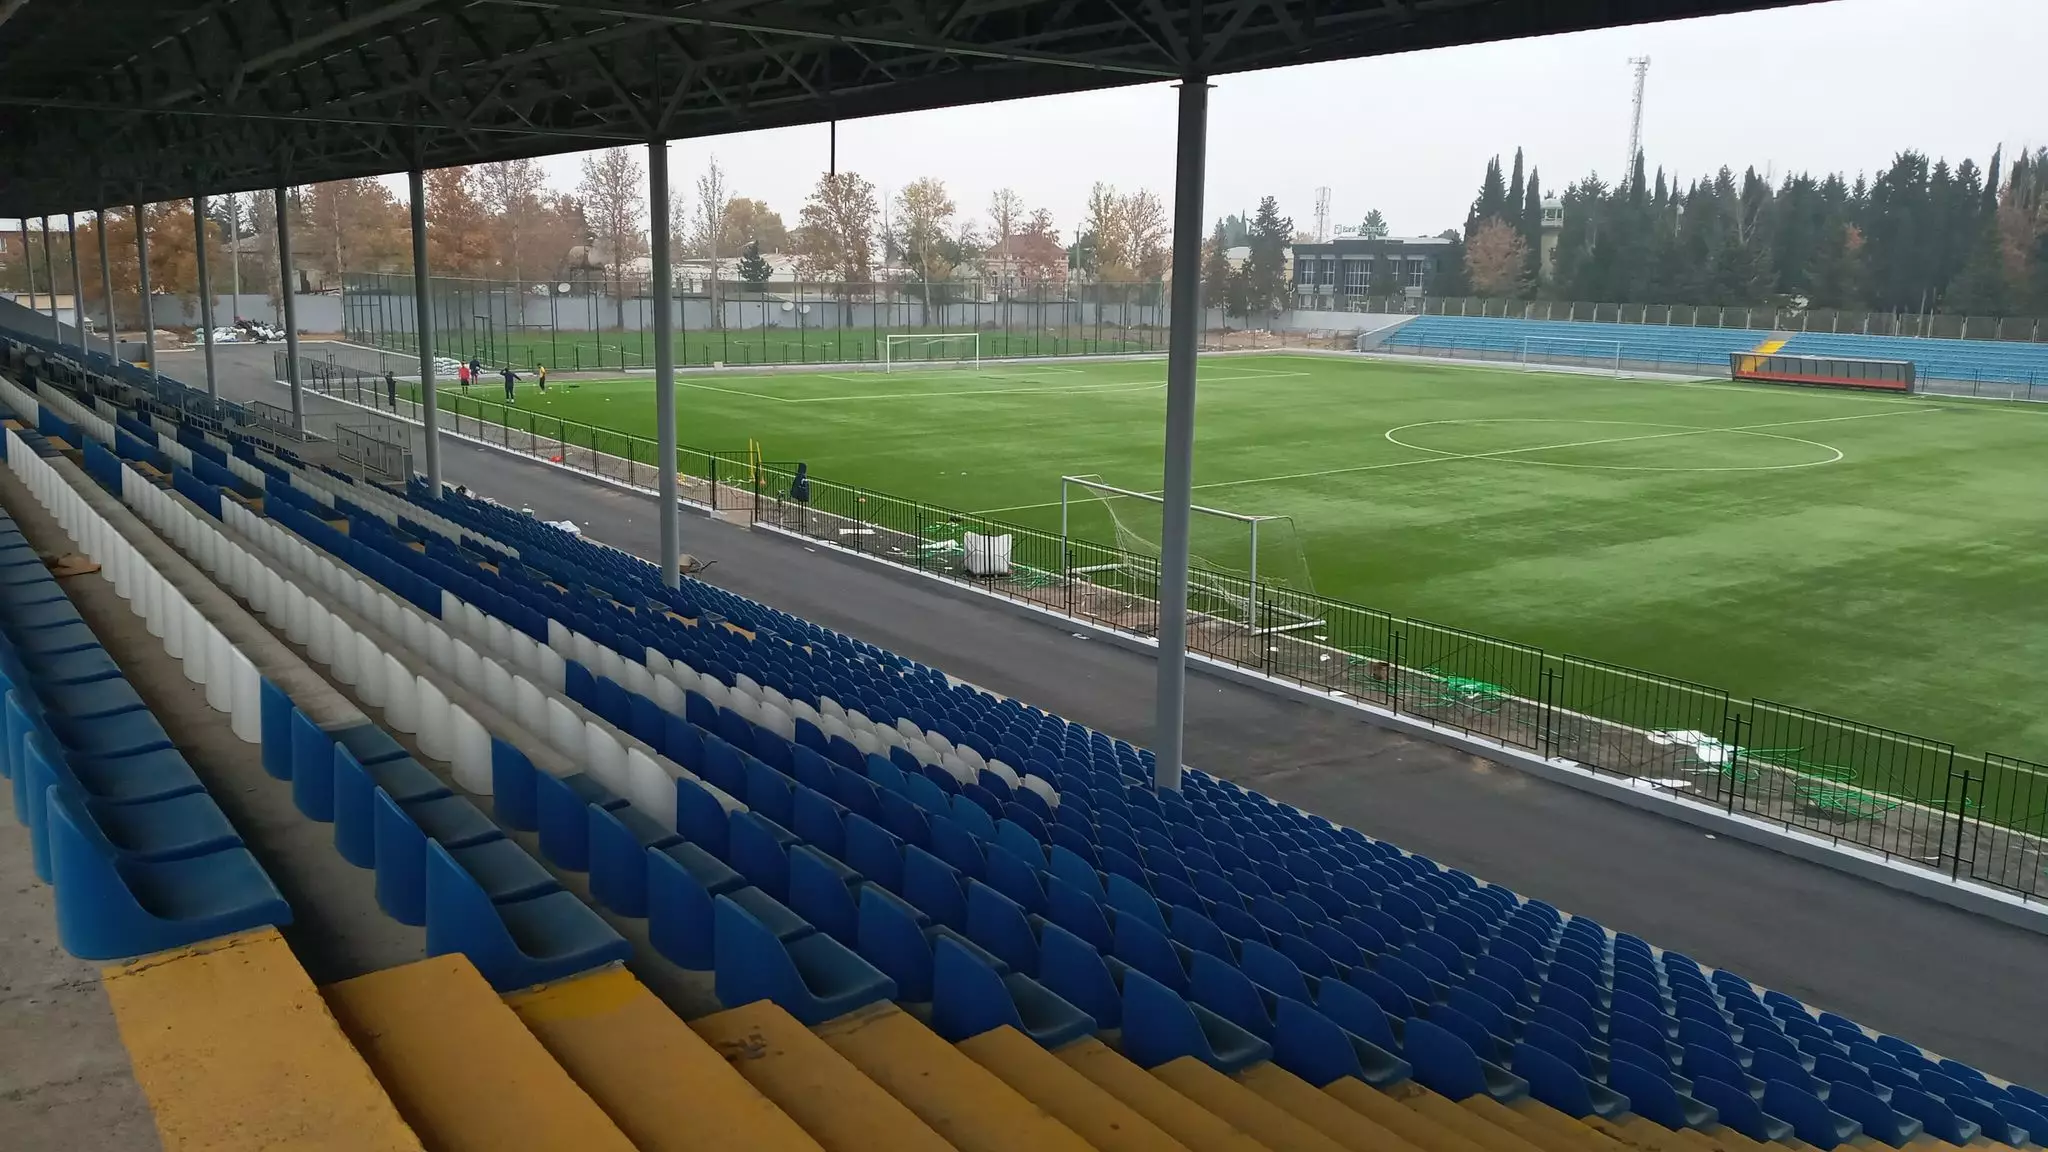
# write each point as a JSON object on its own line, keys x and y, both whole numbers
{"x": 113, "y": 101}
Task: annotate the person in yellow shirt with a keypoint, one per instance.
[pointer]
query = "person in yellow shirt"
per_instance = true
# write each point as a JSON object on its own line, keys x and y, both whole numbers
{"x": 540, "y": 376}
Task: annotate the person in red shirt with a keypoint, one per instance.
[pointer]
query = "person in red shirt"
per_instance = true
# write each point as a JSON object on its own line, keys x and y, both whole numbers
{"x": 462, "y": 374}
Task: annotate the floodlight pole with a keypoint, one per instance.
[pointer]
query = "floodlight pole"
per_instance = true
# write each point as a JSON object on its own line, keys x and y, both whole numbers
{"x": 664, "y": 362}
{"x": 50, "y": 275}
{"x": 77, "y": 286}
{"x": 205, "y": 291}
{"x": 287, "y": 298}
{"x": 1178, "y": 493}
{"x": 107, "y": 291}
{"x": 430, "y": 404}
{"x": 148, "y": 311}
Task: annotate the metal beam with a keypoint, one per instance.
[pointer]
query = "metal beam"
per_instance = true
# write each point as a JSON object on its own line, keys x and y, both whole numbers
{"x": 664, "y": 361}
{"x": 77, "y": 286}
{"x": 842, "y": 35}
{"x": 288, "y": 300}
{"x": 205, "y": 291}
{"x": 107, "y": 291}
{"x": 430, "y": 403}
{"x": 148, "y": 309}
{"x": 452, "y": 124}
{"x": 50, "y": 278}
{"x": 1183, "y": 328}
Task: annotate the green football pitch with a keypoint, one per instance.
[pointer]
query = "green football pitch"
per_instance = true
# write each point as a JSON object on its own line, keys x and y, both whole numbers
{"x": 1880, "y": 558}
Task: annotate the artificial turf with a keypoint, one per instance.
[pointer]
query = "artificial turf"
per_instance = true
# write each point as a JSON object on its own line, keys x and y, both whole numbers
{"x": 1880, "y": 558}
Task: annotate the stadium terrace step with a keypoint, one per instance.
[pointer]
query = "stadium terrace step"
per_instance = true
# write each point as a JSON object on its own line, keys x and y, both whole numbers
{"x": 962, "y": 1101}
{"x": 1248, "y": 1111}
{"x": 1089, "y": 1110}
{"x": 1347, "y": 1126}
{"x": 235, "y": 1050}
{"x": 665, "y": 1088}
{"x": 1473, "y": 1129}
{"x": 463, "y": 1070}
{"x": 1416, "y": 1126}
{"x": 825, "y": 1094}
{"x": 1195, "y": 1126}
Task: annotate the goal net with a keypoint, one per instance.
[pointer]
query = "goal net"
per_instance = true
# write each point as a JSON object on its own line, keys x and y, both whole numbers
{"x": 903, "y": 352}
{"x": 1249, "y": 570}
{"x": 1571, "y": 352}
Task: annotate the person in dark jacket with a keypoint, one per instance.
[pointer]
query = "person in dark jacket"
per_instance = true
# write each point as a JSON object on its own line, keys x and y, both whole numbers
{"x": 391, "y": 389}
{"x": 510, "y": 378}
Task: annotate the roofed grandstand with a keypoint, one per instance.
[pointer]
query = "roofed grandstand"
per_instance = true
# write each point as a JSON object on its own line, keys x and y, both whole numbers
{"x": 1650, "y": 347}
{"x": 926, "y": 914}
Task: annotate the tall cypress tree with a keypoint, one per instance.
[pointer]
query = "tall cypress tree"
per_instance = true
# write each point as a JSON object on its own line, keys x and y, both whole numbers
{"x": 1492, "y": 199}
{"x": 1513, "y": 202}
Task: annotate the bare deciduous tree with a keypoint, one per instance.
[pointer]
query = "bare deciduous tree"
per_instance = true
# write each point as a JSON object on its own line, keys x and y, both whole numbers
{"x": 1494, "y": 258}
{"x": 613, "y": 191}
{"x": 835, "y": 237}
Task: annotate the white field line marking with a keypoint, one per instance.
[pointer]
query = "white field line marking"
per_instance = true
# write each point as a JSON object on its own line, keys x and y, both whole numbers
{"x": 1445, "y": 458}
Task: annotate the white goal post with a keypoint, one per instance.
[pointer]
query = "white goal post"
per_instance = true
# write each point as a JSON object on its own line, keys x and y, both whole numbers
{"x": 1571, "y": 352}
{"x": 905, "y": 351}
{"x": 1228, "y": 580}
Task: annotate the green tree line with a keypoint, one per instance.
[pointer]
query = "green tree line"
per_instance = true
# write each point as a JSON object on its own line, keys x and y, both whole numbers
{"x": 1919, "y": 236}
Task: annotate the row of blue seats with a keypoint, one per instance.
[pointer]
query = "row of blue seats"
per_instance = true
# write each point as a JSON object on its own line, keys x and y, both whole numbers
{"x": 438, "y": 860}
{"x": 139, "y": 855}
{"x": 1605, "y": 969}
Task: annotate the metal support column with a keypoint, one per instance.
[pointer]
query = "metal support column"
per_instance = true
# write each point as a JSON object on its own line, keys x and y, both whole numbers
{"x": 50, "y": 277}
{"x": 287, "y": 295}
{"x": 148, "y": 313}
{"x": 77, "y": 285}
{"x": 205, "y": 291}
{"x": 430, "y": 407}
{"x": 664, "y": 361}
{"x": 1178, "y": 491}
{"x": 30, "y": 265}
{"x": 107, "y": 290}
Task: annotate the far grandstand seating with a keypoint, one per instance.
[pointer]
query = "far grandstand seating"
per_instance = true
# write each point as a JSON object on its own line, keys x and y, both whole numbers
{"x": 833, "y": 830}
{"x": 1989, "y": 361}
{"x": 1967, "y": 361}
{"x": 1706, "y": 348}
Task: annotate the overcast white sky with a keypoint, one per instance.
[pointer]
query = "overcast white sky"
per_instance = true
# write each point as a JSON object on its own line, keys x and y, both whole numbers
{"x": 1834, "y": 86}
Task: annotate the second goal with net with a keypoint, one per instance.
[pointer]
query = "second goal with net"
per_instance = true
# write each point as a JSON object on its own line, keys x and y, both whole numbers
{"x": 1600, "y": 355}
{"x": 1245, "y": 569}
{"x": 917, "y": 351}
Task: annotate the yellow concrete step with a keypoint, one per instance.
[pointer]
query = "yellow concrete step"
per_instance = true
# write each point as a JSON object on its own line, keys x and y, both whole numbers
{"x": 1195, "y": 1126}
{"x": 1541, "y": 1125}
{"x": 828, "y": 1097}
{"x": 1389, "y": 1113}
{"x": 461, "y": 1067}
{"x": 234, "y": 1048}
{"x": 1090, "y": 1111}
{"x": 959, "y": 1099}
{"x": 1319, "y": 1109}
{"x": 1643, "y": 1135}
{"x": 1244, "y": 1109}
{"x": 665, "y": 1088}
{"x": 1479, "y": 1130}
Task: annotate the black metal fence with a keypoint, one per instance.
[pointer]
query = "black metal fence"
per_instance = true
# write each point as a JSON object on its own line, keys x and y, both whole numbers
{"x": 1893, "y": 793}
